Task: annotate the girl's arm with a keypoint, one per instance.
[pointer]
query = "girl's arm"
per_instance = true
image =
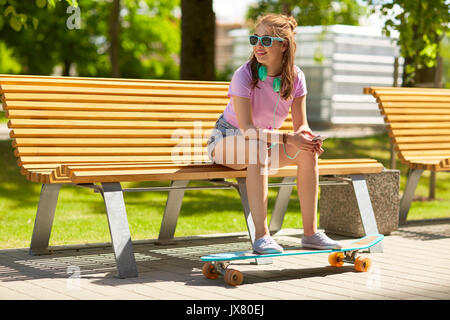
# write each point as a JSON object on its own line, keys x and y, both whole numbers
{"x": 298, "y": 110}
{"x": 302, "y": 135}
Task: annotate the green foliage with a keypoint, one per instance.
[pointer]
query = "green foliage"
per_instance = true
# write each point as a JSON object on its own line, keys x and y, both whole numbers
{"x": 307, "y": 13}
{"x": 18, "y": 19}
{"x": 149, "y": 38}
{"x": 421, "y": 26}
{"x": 7, "y": 63}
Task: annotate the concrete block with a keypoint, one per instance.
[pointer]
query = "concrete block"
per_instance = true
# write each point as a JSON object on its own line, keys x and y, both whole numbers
{"x": 339, "y": 213}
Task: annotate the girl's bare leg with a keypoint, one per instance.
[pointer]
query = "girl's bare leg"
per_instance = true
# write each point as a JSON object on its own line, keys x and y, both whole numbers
{"x": 238, "y": 153}
{"x": 307, "y": 182}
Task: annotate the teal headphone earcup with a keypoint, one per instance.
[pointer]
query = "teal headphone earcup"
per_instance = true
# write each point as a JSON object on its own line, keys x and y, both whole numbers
{"x": 262, "y": 73}
{"x": 276, "y": 84}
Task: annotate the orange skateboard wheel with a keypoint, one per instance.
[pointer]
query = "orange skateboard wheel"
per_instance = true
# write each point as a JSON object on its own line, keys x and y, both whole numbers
{"x": 362, "y": 264}
{"x": 233, "y": 277}
{"x": 210, "y": 271}
{"x": 336, "y": 259}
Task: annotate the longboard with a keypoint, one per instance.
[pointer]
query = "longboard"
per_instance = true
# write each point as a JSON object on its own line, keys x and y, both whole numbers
{"x": 217, "y": 264}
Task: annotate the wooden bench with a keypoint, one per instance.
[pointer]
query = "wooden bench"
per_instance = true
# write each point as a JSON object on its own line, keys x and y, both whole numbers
{"x": 418, "y": 122}
{"x": 96, "y": 133}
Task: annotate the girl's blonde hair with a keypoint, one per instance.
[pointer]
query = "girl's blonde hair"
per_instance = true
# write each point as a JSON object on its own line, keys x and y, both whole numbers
{"x": 284, "y": 27}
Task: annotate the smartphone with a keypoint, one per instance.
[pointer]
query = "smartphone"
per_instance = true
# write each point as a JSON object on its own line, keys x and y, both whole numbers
{"x": 319, "y": 137}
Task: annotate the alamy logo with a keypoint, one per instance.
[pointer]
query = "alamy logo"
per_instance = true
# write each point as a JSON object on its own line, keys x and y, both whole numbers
{"x": 74, "y": 20}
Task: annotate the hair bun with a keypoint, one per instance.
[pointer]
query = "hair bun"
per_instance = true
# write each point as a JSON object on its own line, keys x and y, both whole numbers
{"x": 292, "y": 22}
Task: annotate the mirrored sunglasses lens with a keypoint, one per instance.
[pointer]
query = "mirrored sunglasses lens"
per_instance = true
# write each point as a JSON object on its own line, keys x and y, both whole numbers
{"x": 253, "y": 40}
{"x": 266, "y": 41}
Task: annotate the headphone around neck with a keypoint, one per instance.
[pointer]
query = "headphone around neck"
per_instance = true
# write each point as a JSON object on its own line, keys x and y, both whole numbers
{"x": 262, "y": 74}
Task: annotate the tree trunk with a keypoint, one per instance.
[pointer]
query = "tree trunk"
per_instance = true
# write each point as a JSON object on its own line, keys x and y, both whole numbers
{"x": 114, "y": 30}
{"x": 66, "y": 68}
{"x": 198, "y": 23}
{"x": 286, "y": 8}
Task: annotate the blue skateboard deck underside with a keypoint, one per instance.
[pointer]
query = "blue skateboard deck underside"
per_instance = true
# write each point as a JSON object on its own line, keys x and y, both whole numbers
{"x": 359, "y": 244}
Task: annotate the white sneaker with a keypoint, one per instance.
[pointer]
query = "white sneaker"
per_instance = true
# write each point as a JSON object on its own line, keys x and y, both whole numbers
{"x": 320, "y": 241}
{"x": 266, "y": 245}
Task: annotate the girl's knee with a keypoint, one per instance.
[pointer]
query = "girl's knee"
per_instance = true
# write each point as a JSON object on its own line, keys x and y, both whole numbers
{"x": 306, "y": 157}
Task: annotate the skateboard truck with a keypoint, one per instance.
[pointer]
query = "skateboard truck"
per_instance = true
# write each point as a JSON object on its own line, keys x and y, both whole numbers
{"x": 212, "y": 270}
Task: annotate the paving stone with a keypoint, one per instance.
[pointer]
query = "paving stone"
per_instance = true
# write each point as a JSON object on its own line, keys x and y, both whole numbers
{"x": 415, "y": 264}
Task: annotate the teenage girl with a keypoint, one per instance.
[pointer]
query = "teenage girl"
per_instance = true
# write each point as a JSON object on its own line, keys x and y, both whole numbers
{"x": 262, "y": 91}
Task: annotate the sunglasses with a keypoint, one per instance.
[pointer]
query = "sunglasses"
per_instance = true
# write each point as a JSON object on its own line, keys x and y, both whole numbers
{"x": 266, "y": 41}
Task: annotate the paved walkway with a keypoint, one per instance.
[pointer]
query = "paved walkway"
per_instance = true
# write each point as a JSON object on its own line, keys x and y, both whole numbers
{"x": 415, "y": 265}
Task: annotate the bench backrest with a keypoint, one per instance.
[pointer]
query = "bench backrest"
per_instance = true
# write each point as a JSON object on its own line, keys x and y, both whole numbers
{"x": 58, "y": 120}
{"x": 418, "y": 122}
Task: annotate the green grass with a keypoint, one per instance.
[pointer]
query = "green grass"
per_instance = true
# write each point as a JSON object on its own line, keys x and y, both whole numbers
{"x": 3, "y": 118}
{"x": 80, "y": 213}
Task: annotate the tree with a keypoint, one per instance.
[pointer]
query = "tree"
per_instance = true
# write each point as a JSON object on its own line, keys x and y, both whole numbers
{"x": 421, "y": 26}
{"x": 306, "y": 12}
{"x": 114, "y": 30}
{"x": 197, "y": 40}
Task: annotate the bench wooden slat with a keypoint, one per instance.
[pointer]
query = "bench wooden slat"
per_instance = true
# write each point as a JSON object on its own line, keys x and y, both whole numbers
{"x": 415, "y": 111}
{"x": 415, "y": 105}
{"x": 124, "y": 158}
{"x": 114, "y": 99}
{"x": 104, "y": 142}
{"x": 198, "y": 174}
{"x": 136, "y": 107}
{"x": 419, "y": 132}
{"x": 420, "y": 125}
{"x": 424, "y": 118}
{"x": 420, "y": 138}
{"x": 47, "y": 151}
{"x": 425, "y": 153}
{"x": 412, "y": 98}
{"x": 97, "y": 133}
{"x": 12, "y": 85}
{"x": 377, "y": 90}
{"x": 163, "y": 116}
{"x": 423, "y": 146}
{"x": 118, "y": 91}
{"x": 138, "y": 166}
{"x": 44, "y": 123}
{"x": 80, "y": 80}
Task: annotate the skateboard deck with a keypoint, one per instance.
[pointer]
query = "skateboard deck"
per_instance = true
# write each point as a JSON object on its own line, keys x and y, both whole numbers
{"x": 217, "y": 263}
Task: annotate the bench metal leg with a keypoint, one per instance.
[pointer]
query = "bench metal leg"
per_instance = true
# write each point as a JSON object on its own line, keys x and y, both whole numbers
{"x": 44, "y": 219}
{"x": 365, "y": 209}
{"x": 408, "y": 193}
{"x": 171, "y": 212}
{"x": 242, "y": 189}
{"x": 119, "y": 230}
{"x": 281, "y": 205}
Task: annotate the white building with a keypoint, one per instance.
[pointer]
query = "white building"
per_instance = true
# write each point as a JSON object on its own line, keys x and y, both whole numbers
{"x": 338, "y": 62}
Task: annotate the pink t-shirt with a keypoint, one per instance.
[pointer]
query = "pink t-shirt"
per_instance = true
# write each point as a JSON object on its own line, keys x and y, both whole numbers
{"x": 263, "y": 99}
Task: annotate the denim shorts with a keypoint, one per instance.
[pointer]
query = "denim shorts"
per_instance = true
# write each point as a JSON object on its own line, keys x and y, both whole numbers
{"x": 221, "y": 129}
